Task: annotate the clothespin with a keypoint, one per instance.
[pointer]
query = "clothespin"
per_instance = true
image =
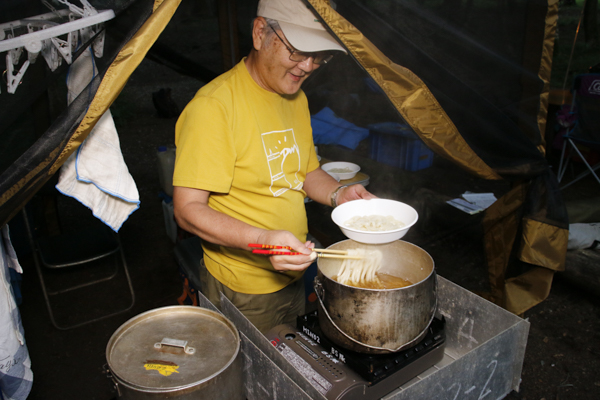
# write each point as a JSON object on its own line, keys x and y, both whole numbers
{"x": 13, "y": 81}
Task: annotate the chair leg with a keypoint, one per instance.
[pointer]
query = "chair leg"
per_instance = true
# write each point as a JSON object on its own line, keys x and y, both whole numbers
{"x": 132, "y": 293}
{"x": 107, "y": 278}
{"x": 46, "y": 294}
{"x": 583, "y": 175}
{"x": 44, "y": 291}
{"x": 77, "y": 325}
{"x": 590, "y": 169}
{"x": 564, "y": 161}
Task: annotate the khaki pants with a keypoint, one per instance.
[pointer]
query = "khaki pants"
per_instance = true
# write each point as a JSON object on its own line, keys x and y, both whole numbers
{"x": 265, "y": 311}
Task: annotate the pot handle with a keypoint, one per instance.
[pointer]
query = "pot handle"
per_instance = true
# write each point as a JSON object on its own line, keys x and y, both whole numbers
{"x": 320, "y": 291}
{"x": 175, "y": 343}
{"x": 109, "y": 375}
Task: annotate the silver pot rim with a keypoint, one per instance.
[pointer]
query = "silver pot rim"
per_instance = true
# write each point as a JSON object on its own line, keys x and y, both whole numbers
{"x": 154, "y": 316}
{"x": 432, "y": 272}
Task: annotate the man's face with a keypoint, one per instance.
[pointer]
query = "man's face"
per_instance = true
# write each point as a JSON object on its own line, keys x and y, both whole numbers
{"x": 276, "y": 72}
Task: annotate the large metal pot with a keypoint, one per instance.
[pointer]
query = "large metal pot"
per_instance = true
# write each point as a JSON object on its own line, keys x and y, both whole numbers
{"x": 378, "y": 321}
{"x": 176, "y": 352}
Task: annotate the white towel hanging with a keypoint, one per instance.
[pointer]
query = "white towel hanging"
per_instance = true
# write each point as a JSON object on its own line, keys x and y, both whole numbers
{"x": 96, "y": 174}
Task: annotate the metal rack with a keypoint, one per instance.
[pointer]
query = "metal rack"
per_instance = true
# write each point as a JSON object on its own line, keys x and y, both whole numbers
{"x": 55, "y": 35}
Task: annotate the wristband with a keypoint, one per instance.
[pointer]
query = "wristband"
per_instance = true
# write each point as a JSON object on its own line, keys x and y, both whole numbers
{"x": 335, "y": 194}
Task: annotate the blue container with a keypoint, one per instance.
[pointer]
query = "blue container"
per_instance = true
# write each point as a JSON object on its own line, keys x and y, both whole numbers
{"x": 397, "y": 145}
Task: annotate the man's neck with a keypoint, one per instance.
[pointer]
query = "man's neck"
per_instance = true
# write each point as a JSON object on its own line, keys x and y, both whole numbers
{"x": 252, "y": 67}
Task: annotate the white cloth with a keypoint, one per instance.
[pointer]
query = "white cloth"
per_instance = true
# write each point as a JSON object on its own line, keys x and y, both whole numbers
{"x": 583, "y": 236}
{"x": 96, "y": 174}
{"x": 16, "y": 377}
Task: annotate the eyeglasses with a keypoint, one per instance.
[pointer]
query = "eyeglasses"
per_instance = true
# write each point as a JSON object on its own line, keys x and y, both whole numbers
{"x": 319, "y": 57}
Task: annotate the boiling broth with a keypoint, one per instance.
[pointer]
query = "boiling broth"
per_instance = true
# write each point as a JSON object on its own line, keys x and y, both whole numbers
{"x": 384, "y": 281}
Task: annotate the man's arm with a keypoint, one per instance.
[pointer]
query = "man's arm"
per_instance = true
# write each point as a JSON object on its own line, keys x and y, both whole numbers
{"x": 319, "y": 186}
{"x": 193, "y": 214}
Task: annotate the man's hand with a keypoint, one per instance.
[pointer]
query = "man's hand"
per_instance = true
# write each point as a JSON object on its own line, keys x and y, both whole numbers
{"x": 319, "y": 186}
{"x": 284, "y": 263}
{"x": 354, "y": 192}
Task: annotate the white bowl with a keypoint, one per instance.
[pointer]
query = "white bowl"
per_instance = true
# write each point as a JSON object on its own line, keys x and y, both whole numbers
{"x": 400, "y": 211}
{"x": 341, "y": 165}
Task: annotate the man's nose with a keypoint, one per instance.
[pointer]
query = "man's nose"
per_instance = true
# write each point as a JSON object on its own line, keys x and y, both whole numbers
{"x": 308, "y": 65}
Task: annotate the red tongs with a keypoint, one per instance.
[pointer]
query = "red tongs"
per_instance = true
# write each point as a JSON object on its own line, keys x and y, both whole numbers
{"x": 263, "y": 249}
{"x": 260, "y": 249}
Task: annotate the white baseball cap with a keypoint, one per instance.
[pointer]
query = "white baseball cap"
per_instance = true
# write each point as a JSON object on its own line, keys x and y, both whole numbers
{"x": 300, "y": 26}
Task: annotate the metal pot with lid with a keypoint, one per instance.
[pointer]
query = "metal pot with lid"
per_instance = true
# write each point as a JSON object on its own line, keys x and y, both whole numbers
{"x": 378, "y": 321}
{"x": 176, "y": 352}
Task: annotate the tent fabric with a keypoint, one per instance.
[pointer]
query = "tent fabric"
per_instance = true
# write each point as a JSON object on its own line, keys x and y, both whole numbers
{"x": 408, "y": 94}
{"x": 130, "y": 35}
{"x": 551, "y": 22}
{"x": 526, "y": 231}
{"x": 115, "y": 78}
{"x": 478, "y": 60}
{"x": 542, "y": 244}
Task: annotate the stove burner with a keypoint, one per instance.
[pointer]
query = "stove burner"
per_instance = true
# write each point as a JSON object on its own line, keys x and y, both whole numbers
{"x": 374, "y": 368}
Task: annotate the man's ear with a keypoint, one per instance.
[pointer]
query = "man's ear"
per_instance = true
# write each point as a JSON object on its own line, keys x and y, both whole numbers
{"x": 259, "y": 33}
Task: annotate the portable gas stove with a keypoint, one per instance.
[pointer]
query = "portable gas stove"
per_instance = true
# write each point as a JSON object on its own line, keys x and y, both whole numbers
{"x": 338, "y": 373}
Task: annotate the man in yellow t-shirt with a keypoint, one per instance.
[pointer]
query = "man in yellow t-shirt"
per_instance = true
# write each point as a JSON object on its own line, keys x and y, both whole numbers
{"x": 246, "y": 161}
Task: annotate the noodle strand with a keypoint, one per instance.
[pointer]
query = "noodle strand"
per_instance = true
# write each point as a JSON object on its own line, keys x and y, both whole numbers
{"x": 360, "y": 270}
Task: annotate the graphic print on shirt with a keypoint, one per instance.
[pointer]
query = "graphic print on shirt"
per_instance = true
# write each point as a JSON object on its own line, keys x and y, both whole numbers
{"x": 283, "y": 157}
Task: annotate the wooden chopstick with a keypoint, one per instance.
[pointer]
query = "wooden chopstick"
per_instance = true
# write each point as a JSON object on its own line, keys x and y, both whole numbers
{"x": 325, "y": 255}
{"x": 344, "y": 252}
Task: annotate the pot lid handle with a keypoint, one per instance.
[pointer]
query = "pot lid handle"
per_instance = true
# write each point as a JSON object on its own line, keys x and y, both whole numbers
{"x": 175, "y": 343}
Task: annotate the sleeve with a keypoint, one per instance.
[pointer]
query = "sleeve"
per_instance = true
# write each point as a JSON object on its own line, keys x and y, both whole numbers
{"x": 205, "y": 155}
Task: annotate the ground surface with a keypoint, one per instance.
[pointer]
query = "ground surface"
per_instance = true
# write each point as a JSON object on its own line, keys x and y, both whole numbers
{"x": 563, "y": 349}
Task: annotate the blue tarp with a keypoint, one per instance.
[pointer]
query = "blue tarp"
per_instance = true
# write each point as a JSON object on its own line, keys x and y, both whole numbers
{"x": 330, "y": 129}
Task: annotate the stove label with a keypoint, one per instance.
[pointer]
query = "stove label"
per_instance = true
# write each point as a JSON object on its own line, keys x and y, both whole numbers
{"x": 315, "y": 379}
{"x": 338, "y": 355}
{"x": 309, "y": 351}
{"x": 312, "y": 335}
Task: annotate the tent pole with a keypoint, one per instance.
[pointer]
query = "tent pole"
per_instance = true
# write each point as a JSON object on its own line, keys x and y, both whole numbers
{"x": 573, "y": 47}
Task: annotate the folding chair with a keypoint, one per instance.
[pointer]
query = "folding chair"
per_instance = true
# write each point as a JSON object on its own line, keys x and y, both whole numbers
{"x": 71, "y": 250}
{"x": 586, "y": 130}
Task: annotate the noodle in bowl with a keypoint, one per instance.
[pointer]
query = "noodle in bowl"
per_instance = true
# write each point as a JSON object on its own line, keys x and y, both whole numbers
{"x": 374, "y": 221}
{"x": 341, "y": 170}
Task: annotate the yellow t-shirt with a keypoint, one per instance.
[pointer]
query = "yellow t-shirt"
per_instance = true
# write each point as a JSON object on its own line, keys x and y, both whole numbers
{"x": 252, "y": 149}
